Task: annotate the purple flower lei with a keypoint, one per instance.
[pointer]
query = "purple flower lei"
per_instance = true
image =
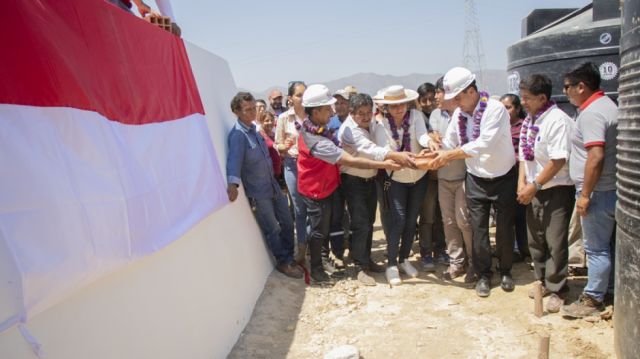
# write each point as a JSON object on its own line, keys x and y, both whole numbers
{"x": 319, "y": 130}
{"x": 406, "y": 136}
{"x": 529, "y": 132}
{"x": 477, "y": 117}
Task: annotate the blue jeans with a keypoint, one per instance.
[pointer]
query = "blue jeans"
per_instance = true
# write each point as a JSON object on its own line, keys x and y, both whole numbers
{"x": 405, "y": 200}
{"x": 274, "y": 220}
{"x": 361, "y": 201}
{"x": 299, "y": 206}
{"x": 598, "y": 234}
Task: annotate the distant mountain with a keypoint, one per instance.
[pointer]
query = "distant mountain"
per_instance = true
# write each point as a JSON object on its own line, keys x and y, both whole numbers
{"x": 370, "y": 82}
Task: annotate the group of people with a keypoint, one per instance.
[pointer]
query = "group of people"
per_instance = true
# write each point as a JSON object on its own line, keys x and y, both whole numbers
{"x": 449, "y": 154}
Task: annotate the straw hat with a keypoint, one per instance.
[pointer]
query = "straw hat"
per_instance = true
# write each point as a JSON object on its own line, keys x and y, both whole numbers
{"x": 394, "y": 95}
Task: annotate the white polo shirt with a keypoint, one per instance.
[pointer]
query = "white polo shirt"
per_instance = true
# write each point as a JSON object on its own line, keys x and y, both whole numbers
{"x": 492, "y": 152}
{"x": 553, "y": 142}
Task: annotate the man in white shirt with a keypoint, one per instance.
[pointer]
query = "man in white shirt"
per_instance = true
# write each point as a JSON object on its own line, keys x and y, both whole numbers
{"x": 545, "y": 187}
{"x": 480, "y": 133}
{"x": 451, "y": 195}
{"x": 356, "y": 137}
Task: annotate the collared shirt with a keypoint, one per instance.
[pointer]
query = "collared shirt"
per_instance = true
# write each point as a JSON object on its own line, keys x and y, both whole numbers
{"x": 553, "y": 142}
{"x": 322, "y": 148}
{"x": 359, "y": 142}
{"x": 492, "y": 152}
{"x": 596, "y": 125}
{"x": 456, "y": 170}
{"x": 418, "y": 134}
{"x": 286, "y": 128}
{"x": 249, "y": 162}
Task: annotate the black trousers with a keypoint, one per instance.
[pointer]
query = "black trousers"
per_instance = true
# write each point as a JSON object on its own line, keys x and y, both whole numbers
{"x": 361, "y": 201}
{"x": 319, "y": 214}
{"x": 548, "y": 217}
{"x": 481, "y": 194}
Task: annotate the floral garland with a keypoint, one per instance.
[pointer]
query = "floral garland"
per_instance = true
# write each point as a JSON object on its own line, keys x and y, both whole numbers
{"x": 477, "y": 117}
{"x": 406, "y": 136}
{"x": 529, "y": 132}
{"x": 323, "y": 131}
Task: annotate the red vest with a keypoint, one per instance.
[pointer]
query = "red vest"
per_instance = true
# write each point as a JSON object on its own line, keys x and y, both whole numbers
{"x": 317, "y": 179}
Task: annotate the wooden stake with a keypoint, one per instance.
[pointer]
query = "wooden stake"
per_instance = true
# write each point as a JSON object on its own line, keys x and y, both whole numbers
{"x": 543, "y": 349}
{"x": 537, "y": 299}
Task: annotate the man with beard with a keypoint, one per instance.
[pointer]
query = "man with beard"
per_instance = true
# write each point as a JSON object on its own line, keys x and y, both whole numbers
{"x": 275, "y": 102}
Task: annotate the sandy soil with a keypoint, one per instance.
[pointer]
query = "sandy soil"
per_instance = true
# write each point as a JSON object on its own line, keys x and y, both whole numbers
{"x": 425, "y": 317}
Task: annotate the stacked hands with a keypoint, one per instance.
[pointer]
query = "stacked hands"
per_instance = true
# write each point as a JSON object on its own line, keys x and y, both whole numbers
{"x": 434, "y": 157}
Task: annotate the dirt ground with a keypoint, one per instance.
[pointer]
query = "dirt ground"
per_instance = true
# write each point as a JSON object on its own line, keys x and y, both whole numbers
{"x": 425, "y": 317}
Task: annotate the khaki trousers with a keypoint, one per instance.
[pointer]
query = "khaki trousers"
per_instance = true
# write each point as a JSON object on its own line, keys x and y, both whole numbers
{"x": 455, "y": 218}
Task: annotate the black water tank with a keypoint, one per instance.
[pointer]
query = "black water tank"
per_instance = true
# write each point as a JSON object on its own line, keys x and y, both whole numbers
{"x": 626, "y": 320}
{"x": 588, "y": 34}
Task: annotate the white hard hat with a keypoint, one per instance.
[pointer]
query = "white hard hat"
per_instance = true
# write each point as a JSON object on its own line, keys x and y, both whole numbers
{"x": 456, "y": 80}
{"x": 316, "y": 96}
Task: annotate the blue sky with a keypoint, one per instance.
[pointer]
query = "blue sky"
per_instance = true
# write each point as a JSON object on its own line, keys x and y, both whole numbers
{"x": 270, "y": 43}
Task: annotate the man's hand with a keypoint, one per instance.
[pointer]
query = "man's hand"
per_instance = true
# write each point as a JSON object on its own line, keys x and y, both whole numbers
{"x": 525, "y": 195}
{"x": 288, "y": 142}
{"x": 436, "y": 136}
{"x": 145, "y": 9}
{"x": 391, "y": 165}
{"x": 441, "y": 159}
{"x": 232, "y": 192}
{"x": 404, "y": 159}
{"x": 582, "y": 205}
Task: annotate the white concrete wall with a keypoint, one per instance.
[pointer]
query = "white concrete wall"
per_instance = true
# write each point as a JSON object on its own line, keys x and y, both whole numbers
{"x": 190, "y": 300}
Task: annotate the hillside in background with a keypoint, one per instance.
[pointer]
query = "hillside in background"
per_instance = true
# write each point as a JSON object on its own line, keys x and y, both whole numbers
{"x": 370, "y": 82}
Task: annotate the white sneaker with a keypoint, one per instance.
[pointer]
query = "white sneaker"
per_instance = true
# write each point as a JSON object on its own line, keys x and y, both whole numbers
{"x": 408, "y": 269}
{"x": 393, "y": 276}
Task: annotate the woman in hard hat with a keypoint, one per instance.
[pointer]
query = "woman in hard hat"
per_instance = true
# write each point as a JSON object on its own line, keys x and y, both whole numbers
{"x": 402, "y": 130}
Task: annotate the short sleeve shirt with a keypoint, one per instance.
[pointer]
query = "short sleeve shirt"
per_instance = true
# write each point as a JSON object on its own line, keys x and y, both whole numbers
{"x": 596, "y": 125}
{"x": 322, "y": 148}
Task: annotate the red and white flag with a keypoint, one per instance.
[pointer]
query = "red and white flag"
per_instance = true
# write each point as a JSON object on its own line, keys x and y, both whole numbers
{"x": 105, "y": 154}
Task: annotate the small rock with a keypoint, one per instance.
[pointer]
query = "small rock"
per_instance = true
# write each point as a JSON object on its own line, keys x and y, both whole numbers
{"x": 291, "y": 327}
{"x": 343, "y": 352}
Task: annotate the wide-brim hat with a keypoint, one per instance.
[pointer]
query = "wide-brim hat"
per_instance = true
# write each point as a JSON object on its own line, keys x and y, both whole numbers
{"x": 394, "y": 95}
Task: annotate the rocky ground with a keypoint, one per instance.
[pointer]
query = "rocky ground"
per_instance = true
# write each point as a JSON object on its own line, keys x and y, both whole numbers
{"x": 426, "y": 317}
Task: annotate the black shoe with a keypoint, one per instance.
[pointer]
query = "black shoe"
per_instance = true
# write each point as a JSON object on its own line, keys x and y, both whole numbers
{"x": 483, "y": 287}
{"x": 507, "y": 283}
{"x": 320, "y": 276}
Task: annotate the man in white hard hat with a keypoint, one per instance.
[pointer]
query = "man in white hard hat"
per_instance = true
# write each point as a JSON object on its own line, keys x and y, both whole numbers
{"x": 318, "y": 173}
{"x": 480, "y": 133}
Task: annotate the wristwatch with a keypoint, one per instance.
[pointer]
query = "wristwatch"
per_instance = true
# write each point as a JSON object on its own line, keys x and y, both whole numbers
{"x": 538, "y": 185}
